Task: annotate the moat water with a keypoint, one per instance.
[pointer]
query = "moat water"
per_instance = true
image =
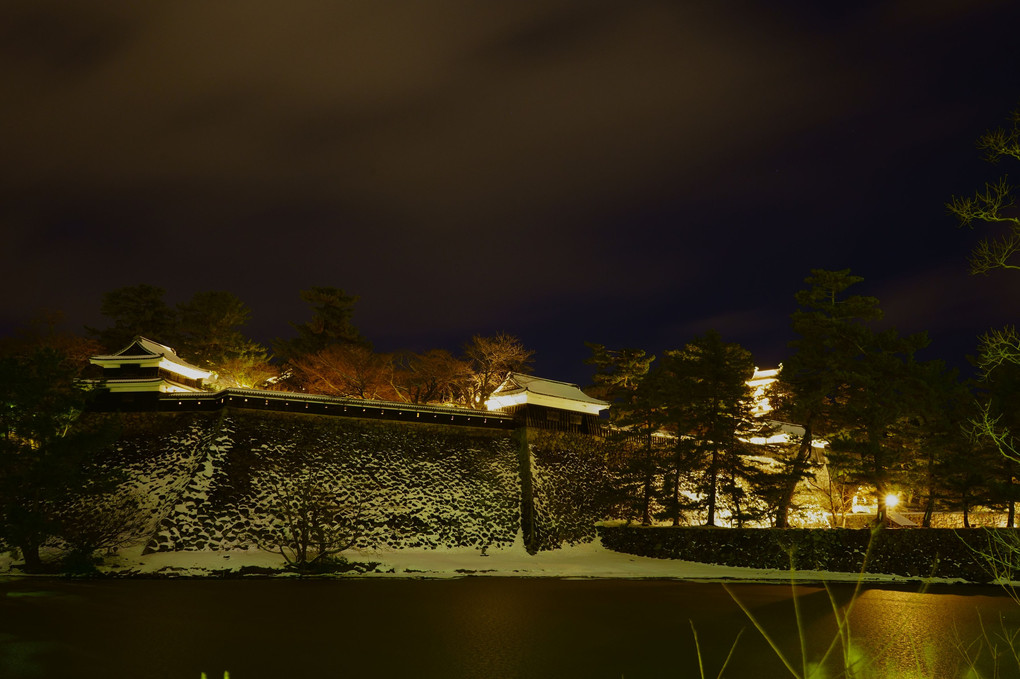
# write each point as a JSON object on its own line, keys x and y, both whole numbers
{"x": 471, "y": 628}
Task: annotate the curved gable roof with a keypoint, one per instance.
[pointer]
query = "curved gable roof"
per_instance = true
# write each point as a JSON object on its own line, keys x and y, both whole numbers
{"x": 519, "y": 388}
{"x": 145, "y": 348}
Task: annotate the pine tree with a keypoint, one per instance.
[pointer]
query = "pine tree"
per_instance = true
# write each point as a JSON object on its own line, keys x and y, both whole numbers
{"x": 707, "y": 404}
{"x": 331, "y": 323}
{"x": 995, "y": 207}
{"x": 209, "y": 330}
{"x": 872, "y": 408}
{"x": 966, "y": 476}
{"x": 832, "y": 334}
{"x": 623, "y": 378}
{"x": 933, "y": 431}
{"x": 618, "y": 372}
{"x": 136, "y": 310}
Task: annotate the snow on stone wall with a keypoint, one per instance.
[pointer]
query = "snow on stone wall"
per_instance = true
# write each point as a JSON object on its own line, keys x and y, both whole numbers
{"x": 161, "y": 456}
{"x": 571, "y": 487}
{"x": 209, "y": 480}
{"x": 215, "y": 481}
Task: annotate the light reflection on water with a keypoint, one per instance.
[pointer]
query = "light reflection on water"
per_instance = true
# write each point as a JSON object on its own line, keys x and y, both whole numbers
{"x": 475, "y": 627}
{"x": 905, "y": 631}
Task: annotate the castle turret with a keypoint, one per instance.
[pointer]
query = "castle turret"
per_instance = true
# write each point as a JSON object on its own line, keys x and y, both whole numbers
{"x": 547, "y": 404}
{"x": 148, "y": 366}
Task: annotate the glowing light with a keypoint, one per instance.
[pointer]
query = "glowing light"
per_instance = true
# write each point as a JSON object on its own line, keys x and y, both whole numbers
{"x": 187, "y": 371}
{"x": 498, "y": 401}
{"x": 891, "y": 500}
{"x": 781, "y": 437}
{"x": 758, "y": 383}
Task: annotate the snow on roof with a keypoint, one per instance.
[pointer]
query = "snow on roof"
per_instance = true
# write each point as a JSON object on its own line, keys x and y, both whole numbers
{"x": 143, "y": 347}
{"x": 767, "y": 374}
{"x": 153, "y": 347}
{"x": 518, "y": 388}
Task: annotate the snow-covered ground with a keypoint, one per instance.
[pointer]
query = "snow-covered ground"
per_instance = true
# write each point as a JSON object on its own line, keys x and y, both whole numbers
{"x": 580, "y": 561}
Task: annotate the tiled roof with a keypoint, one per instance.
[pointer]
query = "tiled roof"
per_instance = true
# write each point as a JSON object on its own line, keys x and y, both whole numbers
{"x": 149, "y": 348}
{"x": 518, "y": 382}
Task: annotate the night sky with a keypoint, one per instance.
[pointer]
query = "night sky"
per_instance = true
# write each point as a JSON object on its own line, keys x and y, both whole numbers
{"x": 629, "y": 173}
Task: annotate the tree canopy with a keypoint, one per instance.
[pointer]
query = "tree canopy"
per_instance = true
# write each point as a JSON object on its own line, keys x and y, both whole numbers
{"x": 135, "y": 310}
{"x": 706, "y": 402}
{"x": 209, "y": 326}
{"x": 491, "y": 359}
{"x": 331, "y": 323}
{"x": 46, "y": 460}
{"x": 999, "y": 349}
{"x": 995, "y": 204}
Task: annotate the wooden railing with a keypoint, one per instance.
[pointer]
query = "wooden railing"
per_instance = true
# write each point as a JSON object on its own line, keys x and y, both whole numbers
{"x": 311, "y": 404}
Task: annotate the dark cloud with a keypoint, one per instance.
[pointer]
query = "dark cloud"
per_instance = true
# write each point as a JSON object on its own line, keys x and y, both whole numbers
{"x": 53, "y": 43}
{"x": 563, "y": 170}
{"x": 947, "y": 299}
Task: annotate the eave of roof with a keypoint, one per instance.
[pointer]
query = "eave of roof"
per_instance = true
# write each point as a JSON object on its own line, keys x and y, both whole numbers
{"x": 155, "y": 350}
{"x": 546, "y": 387}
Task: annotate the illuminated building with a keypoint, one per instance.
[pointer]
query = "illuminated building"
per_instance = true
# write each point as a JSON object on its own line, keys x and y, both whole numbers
{"x": 547, "y": 404}
{"x": 147, "y": 366}
{"x": 759, "y": 382}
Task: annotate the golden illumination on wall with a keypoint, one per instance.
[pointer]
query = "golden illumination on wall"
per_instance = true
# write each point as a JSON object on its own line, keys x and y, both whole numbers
{"x": 759, "y": 382}
{"x": 186, "y": 371}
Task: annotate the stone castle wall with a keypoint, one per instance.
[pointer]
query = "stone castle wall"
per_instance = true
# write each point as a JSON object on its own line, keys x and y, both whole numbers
{"x": 216, "y": 480}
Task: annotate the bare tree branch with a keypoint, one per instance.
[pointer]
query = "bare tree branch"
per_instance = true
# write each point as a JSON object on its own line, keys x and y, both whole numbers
{"x": 311, "y": 523}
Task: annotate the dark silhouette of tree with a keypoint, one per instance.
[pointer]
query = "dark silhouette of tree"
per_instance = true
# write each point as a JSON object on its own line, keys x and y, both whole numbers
{"x": 707, "y": 405}
{"x": 98, "y": 521}
{"x": 967, "y": 476}
{"x": 623, "y": 377}
{"x": 747, "y": 486}
{"x": 43, "y": 331}
{"x": 618, "y": 372}
{"x": 209, "y": 330}
{"x": 136, "y": 310}
{"x": 936, "y": 433}
{"x": 995, "y": 205}
{"x": 998, "y": 420}
{"x": 832, "y": 334}
{"x": 312, "y": 522}
{"x": 47, "y": 457}
{"x": 331, "y": 324}
{"x": 873, "y": 408}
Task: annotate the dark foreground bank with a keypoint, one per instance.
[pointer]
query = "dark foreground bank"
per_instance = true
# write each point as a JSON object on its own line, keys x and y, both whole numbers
{"x": 979, "y": 555}
{"x": 471, "y": 627}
